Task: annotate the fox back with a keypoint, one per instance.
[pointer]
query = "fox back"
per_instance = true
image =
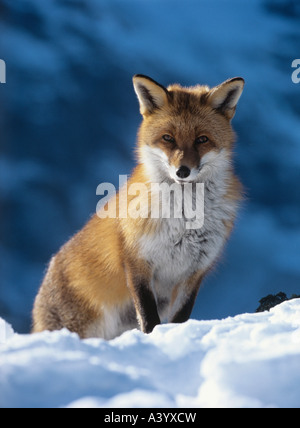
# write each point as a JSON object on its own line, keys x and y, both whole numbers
{"x": 139, "y": 270}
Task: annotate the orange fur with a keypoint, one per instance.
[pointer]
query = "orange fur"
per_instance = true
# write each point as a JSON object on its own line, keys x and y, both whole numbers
{"x": 105, "y": 278}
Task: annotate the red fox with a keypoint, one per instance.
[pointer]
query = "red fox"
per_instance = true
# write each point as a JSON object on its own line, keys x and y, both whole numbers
{"x": 131, "y": 272}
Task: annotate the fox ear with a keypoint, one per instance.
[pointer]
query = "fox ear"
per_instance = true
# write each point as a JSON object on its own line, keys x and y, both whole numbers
{"x": 225, "y": 96}
{"x": 151, "y": 95}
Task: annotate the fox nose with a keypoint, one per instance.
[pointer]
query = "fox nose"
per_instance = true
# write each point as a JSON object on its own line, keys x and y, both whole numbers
{"x": 183, "y": 172}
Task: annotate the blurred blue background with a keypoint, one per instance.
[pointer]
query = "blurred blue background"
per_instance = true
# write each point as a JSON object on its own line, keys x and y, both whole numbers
{"x": 69, "y": 117}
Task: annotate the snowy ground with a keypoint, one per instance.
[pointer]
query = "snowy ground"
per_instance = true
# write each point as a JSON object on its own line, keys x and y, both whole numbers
{"x": 251, "y": 360}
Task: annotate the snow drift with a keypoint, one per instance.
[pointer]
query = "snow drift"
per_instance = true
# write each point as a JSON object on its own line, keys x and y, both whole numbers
{"x": 251, "y": 360}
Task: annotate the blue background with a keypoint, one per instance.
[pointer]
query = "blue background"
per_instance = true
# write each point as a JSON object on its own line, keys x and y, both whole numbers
{"x": 69, "y": 117}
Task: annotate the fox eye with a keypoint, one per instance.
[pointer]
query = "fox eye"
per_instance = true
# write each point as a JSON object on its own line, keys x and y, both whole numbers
{"x": 201, "y": 140}
{"x": 168, "y": 138}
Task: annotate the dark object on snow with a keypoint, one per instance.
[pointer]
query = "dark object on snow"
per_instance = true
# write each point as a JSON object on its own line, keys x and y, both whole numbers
{"x": 270, "y": 301}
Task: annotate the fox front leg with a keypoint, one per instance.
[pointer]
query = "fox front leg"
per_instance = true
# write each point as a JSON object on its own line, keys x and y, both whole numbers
{"x": 183, "y": 299}
{"x": 139, "y": 284}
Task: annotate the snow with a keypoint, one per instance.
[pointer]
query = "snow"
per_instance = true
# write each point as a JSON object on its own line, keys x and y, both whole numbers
{"x": 250, "y": 360}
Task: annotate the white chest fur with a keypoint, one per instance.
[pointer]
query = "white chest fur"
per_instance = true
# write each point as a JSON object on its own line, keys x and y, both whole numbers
{"x": 176, "y": 252}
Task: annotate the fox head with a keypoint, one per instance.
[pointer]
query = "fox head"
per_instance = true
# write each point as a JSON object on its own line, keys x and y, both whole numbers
{"x": 186, "y": 134}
